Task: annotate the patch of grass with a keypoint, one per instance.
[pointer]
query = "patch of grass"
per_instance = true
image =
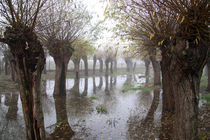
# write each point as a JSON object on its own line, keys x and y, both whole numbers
{"x": 144, "y": 89}
{"x": 206, "y": 96}
{"x": 93, "y": 97}
{"x": 204, "y": 81}
{"x": 128, "y": 86}
{"x": 101, "y": 109}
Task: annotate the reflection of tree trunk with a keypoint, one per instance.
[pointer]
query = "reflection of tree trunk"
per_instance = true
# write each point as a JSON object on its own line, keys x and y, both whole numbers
{"x": 86, "y": 65}
{"x": 147, "y": 128}
{"x": 76, "y": 67}
{"x": 94, "y": 64}
{"x": 63, "y": 129}
{"x": 208, "y": 72}
{"x": 60, "y": 76}
{"x": 147, "y": 71}
{"x": 107, "y": 84}
{"x": 100, "y": 83}
{"x": 156, "y": 68}
{"x": 75, "y": 88}
{"x": 85, "y": 88}
{"x": 111, "y": 83}
{"x": 44, "y": 84}
{"x": 101, "y": 64}
{"x": 94, "y": 85}
{"x": 107, "y": 67}
{"x": 115, "y": 80}
{"x": 13, "y": 108}
{"x": 154, "y": 105}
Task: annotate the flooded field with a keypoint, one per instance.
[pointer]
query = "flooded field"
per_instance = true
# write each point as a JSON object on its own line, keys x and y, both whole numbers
{"x": 94, "y": 108}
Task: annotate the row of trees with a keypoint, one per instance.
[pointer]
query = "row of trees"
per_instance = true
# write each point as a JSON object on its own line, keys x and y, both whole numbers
{"x": 178, "y": 32}
{"x": 31, "y": 28}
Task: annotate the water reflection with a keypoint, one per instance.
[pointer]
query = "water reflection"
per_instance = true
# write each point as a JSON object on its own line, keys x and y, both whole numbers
{"x": 62, "y": 128}
{"x": 146, "y": 127}
{"x": 77, "y": 110}
{"x": 12, "y": 110}
{"x": 12, "y": 124}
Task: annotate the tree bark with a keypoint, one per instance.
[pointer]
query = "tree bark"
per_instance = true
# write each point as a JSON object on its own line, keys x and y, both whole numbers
{"x": 168, "y": 95}
{"x": 12, "y": 65}
{"x": 107, "y": 67}
{"x": 208, "y": 72}
{"x": 101, "y": 64}
{"x": 6, "y": 65}
{"x": 185, "y": 69}
{"x": 76, "y": 68}
{"x": 111, "y": 67}
{"x": 129, "y": 64}
{"x": 60, "y": 75}
{"x": 115, "y": 65}
{"x": 156, "y": 69}
{"x": 94, "y": 64}
{"x": 94, "y": 85}
{"x": 29, "y": 58}
{"x": 86, "y": 65}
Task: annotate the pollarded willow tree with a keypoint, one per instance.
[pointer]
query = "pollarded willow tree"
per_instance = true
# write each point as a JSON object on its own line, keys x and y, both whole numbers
{"x": 82, "y": 49}
{"x": 180, "y": 30}
{"x": 18, "y": 19}
{"x": 63, "y": 23}
{"x": 133, "y": 27}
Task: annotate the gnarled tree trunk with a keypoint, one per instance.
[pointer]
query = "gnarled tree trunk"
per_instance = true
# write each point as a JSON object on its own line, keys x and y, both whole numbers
{"x": 76, "y": 67}
{"x": 208, "y": 72}
{"x": 111, "y": 67}
{"x": 94, "y": 64}
{"x": 186, "y": 64}
{"x": 168, "y": 95}
{"x": 115, "y": 65}
{"x": 101, "y": 64}
{"x": 86, "y": 65}
{"x": 107, "y": 67}
{"x": 29, "y": 58}
{"x": 60, "y": 75}
{"x": 156, "y": 69}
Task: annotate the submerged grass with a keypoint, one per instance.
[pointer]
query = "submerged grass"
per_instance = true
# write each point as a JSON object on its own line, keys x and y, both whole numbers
{"x": 101, "y": 109}
{"x": 204, "y": 81}
{"x": 129, "y": 86}
{"x": 207, "y": 98}
{"x": 93, "y": 97}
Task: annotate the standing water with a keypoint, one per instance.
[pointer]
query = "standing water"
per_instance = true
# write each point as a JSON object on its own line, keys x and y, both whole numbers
{"x": 95, "y": 108}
